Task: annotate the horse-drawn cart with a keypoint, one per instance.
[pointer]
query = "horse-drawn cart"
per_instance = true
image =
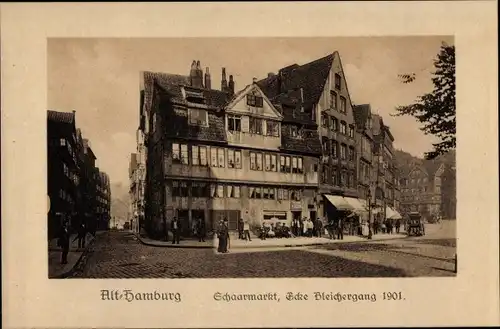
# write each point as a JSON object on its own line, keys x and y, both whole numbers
{"x": 415, "y": 224}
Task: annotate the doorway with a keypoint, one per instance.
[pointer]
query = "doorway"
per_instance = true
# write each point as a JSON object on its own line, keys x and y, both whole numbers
{"x": 312, "y": 215}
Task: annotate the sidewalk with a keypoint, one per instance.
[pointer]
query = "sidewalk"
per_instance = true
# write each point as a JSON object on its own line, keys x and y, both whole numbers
{"x": 58, "y": 270}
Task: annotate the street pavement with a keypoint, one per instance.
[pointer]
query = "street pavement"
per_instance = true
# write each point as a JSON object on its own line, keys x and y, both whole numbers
{"x": 121, "y": 255}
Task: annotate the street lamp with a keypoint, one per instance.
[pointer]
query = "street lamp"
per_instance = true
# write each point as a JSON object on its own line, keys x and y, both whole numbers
{"x": 369, "y": 196}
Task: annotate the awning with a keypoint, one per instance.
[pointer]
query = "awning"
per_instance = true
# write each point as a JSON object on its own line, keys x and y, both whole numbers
{"x": 338, "y": 202}
{"x": 392, "y": 214}
{"x": 357, "y": 205}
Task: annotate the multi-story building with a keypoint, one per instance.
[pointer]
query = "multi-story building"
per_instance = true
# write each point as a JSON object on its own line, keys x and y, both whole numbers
{"x": 384, "y": 170}
{"x": 214, "y": 154}
{"x": 62, "y": 170}
{"x": 133, "y": 193}
{"x": 103, "y": 201}
{"x": 72, "y": 176}
{"x": 326, "y": 101}
{"x": 421, "y": 188}
{"x": 364, "y": 147}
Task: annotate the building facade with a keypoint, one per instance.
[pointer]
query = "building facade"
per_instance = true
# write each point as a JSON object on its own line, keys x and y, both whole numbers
{"x": 421, "y": 188}
{"x": 72, "y": 177}
{"x": 323, "y": 87}
{"x": 215, "y": 154}
{"x": 103, "y": 201}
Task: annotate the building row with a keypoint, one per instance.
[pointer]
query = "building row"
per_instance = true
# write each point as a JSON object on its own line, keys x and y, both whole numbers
{"x": 289, "y": 146}
{"x": 78, "y": 191}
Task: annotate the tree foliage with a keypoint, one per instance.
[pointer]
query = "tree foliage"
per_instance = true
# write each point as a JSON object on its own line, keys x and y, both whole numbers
{"x": 436, "y": 110}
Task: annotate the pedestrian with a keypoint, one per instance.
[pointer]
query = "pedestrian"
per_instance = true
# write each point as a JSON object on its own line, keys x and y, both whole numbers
{"x": 223, "y": 236}
{"x": 319, "y": 227}
{"x": 63, "y": 242}
{"x": 310, "y": 228}
{"x": 246, "y": 230}
{"x": 398, "y": 225}
{"x": 240, "y": 229}
{"x": 301, "y": 227}
{"x": 176, "y": 230}
{"x": 81, "y": 236}
{"x": 340, "y": 229}
{"x": 201, "y": 229}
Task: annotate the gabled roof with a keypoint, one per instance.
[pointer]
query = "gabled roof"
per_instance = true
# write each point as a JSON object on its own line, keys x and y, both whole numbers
{"x": 61, "y": 117}
{"x": 431, "y": 166}
{"x": 362, "y": 114}
{"x": 311, "y": 77}
{"x": 239, "y": 95}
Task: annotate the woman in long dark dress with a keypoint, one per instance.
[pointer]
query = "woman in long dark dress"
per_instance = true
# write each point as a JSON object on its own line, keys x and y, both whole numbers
{"x": 223, "y": 237}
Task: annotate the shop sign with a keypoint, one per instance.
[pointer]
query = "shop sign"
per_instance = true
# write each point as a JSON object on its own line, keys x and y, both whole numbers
{"x": 296, "y": 205}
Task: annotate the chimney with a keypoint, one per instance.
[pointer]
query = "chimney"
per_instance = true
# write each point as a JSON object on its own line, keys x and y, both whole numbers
{"x": 254, "y": 80}
{"x": 270, "y": 74}
{"x": 231, "y": 85}
{"x": 223, "y": 82}
{"x": 208, "y": 81}
{"x": 192, "y": 73}
{"x": 196, "y": 75}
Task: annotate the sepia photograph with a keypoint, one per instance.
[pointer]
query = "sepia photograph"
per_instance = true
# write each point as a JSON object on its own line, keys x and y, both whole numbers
{"x": 251, "y": 157}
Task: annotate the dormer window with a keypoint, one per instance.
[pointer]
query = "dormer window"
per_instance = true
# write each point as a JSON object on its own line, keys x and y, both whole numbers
{"x": 256, "y": 101}
{"x": 198, "y": 117}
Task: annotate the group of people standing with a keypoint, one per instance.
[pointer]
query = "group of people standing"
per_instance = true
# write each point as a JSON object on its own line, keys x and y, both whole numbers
{"x": 64, "y": 238}
{"x": 198, "y": 230}
{"x": 388, "y": 226}
{"x": 308, "y": 228}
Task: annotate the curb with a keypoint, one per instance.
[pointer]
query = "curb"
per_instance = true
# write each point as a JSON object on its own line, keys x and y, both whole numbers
{"x": 179, "y": 246}
{"x": 152, "y": 244}
{"x": 71, "y": 271}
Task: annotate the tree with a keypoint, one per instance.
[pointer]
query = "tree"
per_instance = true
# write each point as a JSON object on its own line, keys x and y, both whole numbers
{"x": 436, "y": 110}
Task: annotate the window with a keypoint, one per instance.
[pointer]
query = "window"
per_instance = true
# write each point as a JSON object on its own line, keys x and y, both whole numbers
{"x": 176, "y": 153}
{"x": 282, "y": 164}
{"x": 300, "y": 166}
{"x": 294, "y": 165}
{"x": 293, "y": 131}
{"x": 217, "y": 190}
{"x": 198, "y": 117}
{"x": 203, "y": 156}
{"x": 325, "y": 147}
{"x": 175, "y": 189}
{"x": 65, "y": 169}
{"x": 335, "y": 124}
{"x": 256, "y": 101}
{"x": 266, "y": 193}
{"x": 335, "y": 180}
{"x": 183, "y": 189}
{"x": 288, "y": 167}
{"x": 259, "y": 161}
{"x": 153, "y": 128}
{"x": 285, "y": 194}
{"x": 351, "y": 153}
{"x": 343, "y": 104}
{"x": 343, "y": 178}
{"x": 343, "y": 151}
{"x": 62, "y": 142}
{"x": 256, "y": 126}
{"x": 272, "y": 128}
{"x": 335, "y": 147}
{"x": 351, "y": 131}
{"x": 324, "y": 120}
{"x": 255, "y": 192}
{"x": 253, "y": 161}
{"x": 230, "y": 158}
{"x": 343, "y": 128}
{"x": 234, "y": 123}
{"x": 213, "y": 157}
{"x": 184, "y": 154}
{"x": 337, "y": 81}
{"x": 237, "y": 159}
{"x": 333, "y": 100}
{"x": 324, "y": 174}
{"x": 195, "y": 155}
{"x": 272, "y": 162}
{"x": 233, "y": 191}
{"x": 222, "y": 160}
{"x": 295, "y": 195}
{"x": 267, "y": 159}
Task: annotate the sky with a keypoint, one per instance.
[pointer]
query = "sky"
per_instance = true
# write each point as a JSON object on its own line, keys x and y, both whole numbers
{"x": 100, "y": 79}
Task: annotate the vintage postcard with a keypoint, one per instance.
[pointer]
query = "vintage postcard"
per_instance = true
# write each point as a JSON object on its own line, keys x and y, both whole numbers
{"x": 260, "y": 172}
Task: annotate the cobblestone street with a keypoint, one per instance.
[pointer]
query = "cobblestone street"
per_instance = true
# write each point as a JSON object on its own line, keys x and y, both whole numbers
{"x": 120, "y": 255}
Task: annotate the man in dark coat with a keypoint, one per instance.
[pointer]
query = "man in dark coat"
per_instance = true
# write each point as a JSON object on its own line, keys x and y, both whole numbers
{"x": 81, "y": 235}
{"x": 223, "y": 235}
{"x": 175, "y": 226}
{"x": 340, "y": 229}
{"x": 319, "y": 228}
{"x": 63, "y": 242}
{"x": 240, "y": 229}
{"x": 201, "y": 230}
